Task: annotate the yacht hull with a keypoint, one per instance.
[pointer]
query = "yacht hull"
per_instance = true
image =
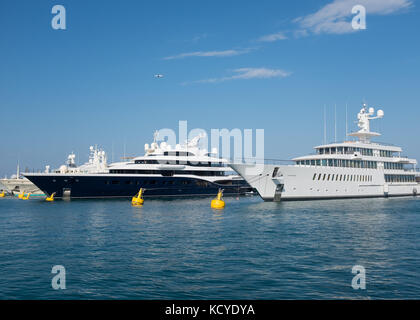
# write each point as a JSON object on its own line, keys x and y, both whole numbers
{"x": 287, "y": 183}
{"x": 123, "y": 186}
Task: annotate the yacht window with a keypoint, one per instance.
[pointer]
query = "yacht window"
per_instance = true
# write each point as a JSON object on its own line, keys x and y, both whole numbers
{"x": 167, "y": 173}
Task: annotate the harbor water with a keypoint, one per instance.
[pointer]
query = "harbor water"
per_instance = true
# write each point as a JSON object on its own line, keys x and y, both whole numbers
{"x": 183, "y": 249}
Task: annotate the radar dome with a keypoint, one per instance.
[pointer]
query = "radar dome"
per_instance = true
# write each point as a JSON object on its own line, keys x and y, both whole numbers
{"x": 371, "y": 110}
{"x": 380, "y": 113}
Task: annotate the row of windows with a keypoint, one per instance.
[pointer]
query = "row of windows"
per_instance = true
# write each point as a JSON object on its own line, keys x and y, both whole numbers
{"x": 339, "y": 163}
{"x": 345, "y": 150}
{"x": 351, "y": 150}
{"x": 178, "y": 153}
{"x": 342, "y": 177}
{"x": 386, "y": 154}
{"x": 158, "y": 182}
{"x": 399, "y": 178}
{"x": 169, "y": 173}
{"x": 183, "y": 162}
{"x": 393, "y": 166}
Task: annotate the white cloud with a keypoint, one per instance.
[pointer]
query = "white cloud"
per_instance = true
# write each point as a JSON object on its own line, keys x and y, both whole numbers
{"x": 336, "y": 16}
{"x": 248, "y": 73}
{"x": 225, "y": 53}
{"x": 273, "y": 37}
{"x": 199, "y": 37}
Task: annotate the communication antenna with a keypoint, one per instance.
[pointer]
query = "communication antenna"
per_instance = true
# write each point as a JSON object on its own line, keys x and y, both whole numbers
{"x": 325, "y": 124}
{"x": 346, "y": 122}
{"x": 124, "y": 147}
{"x": 335, "y": 122}
{"x": 112, "y": 151}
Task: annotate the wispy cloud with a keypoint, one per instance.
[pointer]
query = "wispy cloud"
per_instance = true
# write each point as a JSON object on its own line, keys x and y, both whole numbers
{"x": 199, "y": 37}
{"x": 335, "y": 17}
{"x": 246, "y": 74}
{"x": 224, "y": 53}
{"x": 273, "y": 37}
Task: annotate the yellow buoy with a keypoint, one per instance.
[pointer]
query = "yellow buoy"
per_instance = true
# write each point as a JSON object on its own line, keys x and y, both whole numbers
{"x": 50, "y": 198}
{"x": 21, "y": 195}
{"x": 218, "y": 203}
{"x": 26, "y": 197}
{"x": 138, "y": 200}
{"x": 2, "y": 194}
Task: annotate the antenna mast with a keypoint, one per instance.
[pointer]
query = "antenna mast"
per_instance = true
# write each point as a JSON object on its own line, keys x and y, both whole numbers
{"x": 335, "y": 122}
{"x": 325, "y": 124}
{"x": 346, "y": 122}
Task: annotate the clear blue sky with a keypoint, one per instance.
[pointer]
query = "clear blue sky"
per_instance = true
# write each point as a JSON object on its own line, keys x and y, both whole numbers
{"x": 226, "y": 64}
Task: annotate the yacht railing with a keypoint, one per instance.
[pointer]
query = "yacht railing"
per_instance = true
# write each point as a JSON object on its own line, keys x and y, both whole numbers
{"x": 265, "y": 161}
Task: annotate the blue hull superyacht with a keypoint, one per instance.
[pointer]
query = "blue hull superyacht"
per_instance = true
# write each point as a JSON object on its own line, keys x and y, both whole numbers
{"x": 164, "y": 171}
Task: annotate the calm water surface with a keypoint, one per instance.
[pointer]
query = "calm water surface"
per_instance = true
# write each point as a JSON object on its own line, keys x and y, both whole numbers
{"x": 182, "y": 249}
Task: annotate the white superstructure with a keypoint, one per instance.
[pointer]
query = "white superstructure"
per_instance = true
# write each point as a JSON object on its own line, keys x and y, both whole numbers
{"x": 181, "y": 160}
{"x": 97, "y": 163}
{"x": 349, "y": 169}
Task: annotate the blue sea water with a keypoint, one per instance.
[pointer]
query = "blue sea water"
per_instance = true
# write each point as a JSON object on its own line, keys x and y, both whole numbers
{"x": 183, "y": 249}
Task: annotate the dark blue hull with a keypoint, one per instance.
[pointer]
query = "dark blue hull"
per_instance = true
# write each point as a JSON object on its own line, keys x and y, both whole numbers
{"x": 108, "y": 186}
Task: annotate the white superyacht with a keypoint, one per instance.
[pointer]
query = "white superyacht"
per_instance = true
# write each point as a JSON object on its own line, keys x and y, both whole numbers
{"x": 351, "y": 169}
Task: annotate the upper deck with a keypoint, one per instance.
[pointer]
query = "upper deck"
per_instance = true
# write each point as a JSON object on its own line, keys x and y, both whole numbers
{"x": 362, "y": 149}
